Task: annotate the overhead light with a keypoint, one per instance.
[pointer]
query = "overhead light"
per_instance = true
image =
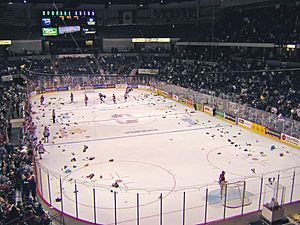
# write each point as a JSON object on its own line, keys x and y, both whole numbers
{"x": 140, "y": 3}
{"x": 10, "y": 3}
{"x": 25, "y": 1}
{"x": 107, "y": 3}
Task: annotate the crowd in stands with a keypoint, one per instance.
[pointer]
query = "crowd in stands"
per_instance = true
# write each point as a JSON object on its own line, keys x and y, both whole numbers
{"x": 117, "y": 64}
{"x": 247, "y": 81}
{"x": 258, "y": 84}
{"x": 277, "y": 23}
{"x": 11, "y": 99}
{"x": 41, "y": 65}
{"x": 237, "y": 75}
{"x": 16, "y": 164}
{"x": 280, "y": 24}
{"x": 76, "y": 66}
{"x": 9, "y": 68}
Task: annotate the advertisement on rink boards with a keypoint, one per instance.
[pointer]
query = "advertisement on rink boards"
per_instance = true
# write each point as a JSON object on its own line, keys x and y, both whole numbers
{"x": 153, "y": 89}
{"x": 208, "y": 110}
{"x": 244, "y": 123}
{"x": 110, "y": 85}
{"x": 144, "y": 87}
{"x": 98, "y": 86}
{"x": 95, "y": 86}
{"x": 272, "y": 133}
{"x": 289, "y": 139}
{"x": 219, "y": 113}
{"x": 62, "y": 88}
{"x": 33, "y": 93}
{"x": 175, "y": 97}
{"x": 121, "y": 85}
{"x": 258, "y": 128}
{"x": 189, "y": 102}
{"x": 229, "y": 117}
{"x": 87, "y": 87}
{"x": 198, "y": 107}
{"x": 132, "y": 86}
{"x": 163, "y": 93}
{"x": 75, "y": 88}
{"x": 186, "y": 101}
{"x": 49, "y": 89}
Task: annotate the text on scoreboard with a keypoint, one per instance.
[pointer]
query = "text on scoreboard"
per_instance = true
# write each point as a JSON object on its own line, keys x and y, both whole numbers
{"x": 79, "y": 22}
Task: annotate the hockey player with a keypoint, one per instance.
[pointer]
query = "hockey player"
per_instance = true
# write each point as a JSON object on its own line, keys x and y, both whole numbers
{"x": 42, "y": 99}
{"x": 46, "y": 134}
{"x": 128, "y": 90}
{"x": 114, "y": 99}
{"x": 53, "y": 116}
{"x": 86, "y": 99}
{"x": 222, "y": 182}
{"x": 40, "y": 149}
{"x": 125, "y": 96}
{"x": 72, "y": 97}
{"x": 101, "y": 97}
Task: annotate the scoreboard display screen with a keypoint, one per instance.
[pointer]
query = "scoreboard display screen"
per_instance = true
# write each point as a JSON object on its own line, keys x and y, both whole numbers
{"x": 76, "y": 22}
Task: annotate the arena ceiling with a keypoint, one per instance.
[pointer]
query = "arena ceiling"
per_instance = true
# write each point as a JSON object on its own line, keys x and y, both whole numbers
{"x": 76, "y": 2}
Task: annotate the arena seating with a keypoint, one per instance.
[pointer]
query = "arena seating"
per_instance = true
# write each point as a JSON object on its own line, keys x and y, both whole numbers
{"x": 236, "y": 74}
{"x": 117, "y": 64}
{"x": 42, "y": 65}
{"x": 77, "y": 66}
{"x": 264, "y": 89}
{"x": 16, "y": 172}
{"x": 247, "y": 80}
{"x": 258, "y": 25}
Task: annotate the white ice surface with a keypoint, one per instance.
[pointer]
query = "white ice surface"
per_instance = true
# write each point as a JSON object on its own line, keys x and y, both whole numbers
{"x": 158, "y": 146}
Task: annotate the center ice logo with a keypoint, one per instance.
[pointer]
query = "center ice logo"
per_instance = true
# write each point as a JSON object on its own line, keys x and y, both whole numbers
{"x": 124, "y": 118}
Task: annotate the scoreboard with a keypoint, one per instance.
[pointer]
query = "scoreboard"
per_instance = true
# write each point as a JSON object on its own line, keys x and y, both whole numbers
{"x": 80, "y": 23}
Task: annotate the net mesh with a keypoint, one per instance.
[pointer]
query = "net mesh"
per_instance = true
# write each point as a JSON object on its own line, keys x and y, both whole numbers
{"x": 234, "y": 195}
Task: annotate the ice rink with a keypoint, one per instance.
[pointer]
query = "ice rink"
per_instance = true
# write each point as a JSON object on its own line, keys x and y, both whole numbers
{"x": 153, "y": 147}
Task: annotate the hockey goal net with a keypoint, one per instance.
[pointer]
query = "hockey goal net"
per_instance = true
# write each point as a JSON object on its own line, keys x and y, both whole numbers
{"x": 234, "y": 195}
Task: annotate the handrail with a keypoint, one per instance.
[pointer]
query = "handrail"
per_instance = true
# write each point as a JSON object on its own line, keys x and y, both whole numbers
{"x": 22, "y": 221}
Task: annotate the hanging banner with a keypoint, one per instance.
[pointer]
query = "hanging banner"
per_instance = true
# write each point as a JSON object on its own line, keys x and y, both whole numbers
{"x": 148, "y": 71}
{"x": 7, "y": 78}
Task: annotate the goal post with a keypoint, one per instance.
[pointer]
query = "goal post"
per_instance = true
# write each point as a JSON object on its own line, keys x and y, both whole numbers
{"x": 234, "y": 195}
